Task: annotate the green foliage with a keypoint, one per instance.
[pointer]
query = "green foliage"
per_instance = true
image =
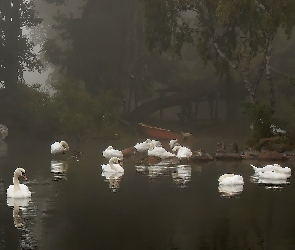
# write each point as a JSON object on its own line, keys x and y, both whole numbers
{"x": 261, "y": 117}
{"x": 29, "y": 109}
{"x": 80, "y": 113}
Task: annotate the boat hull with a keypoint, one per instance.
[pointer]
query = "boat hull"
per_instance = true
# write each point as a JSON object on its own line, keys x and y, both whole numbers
{"x": 158, "y": 133}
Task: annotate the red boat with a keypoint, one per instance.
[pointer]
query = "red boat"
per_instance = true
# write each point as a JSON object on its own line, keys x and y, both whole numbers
{"x": 159, "y": 133}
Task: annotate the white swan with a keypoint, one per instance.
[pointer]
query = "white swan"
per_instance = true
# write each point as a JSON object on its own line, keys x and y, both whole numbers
{"x": 156, "y": 143}
{"x": 173, "y": 143}
{"x": 273, "y": 175}
{"x": 113, "y": 166}
{"x": 110, "y": 152}
{"x": 143, "y": 146}
{"x": 231, "y": 179}
{"x": 159, "y": 152}
{"x": 18, "y": 190}
{"x": 59, "y": 147}
{"x": 182, "y": 152}
{"x": 273, "y": 167}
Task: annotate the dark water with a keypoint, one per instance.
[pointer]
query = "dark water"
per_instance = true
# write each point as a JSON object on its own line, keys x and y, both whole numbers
{"x": 144, "y": 209}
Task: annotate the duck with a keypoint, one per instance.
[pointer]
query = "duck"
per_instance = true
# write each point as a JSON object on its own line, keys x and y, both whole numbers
{"x": 231, "y": 179}
{"x": 159, "y": 152}
{"x": 113, "y": 166}
{"x": 110, "y": 152}
{"x": 272, "y": 167}
{"x": 18, "y": 190}
{"x": 59, "y": 147}
{"x": 182, "y": 152}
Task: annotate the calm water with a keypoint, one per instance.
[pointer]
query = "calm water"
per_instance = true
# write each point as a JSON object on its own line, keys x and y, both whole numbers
{"x": 146, "y": 208}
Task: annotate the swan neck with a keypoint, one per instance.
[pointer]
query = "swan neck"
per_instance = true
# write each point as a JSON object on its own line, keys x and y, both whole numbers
{"x": 112, "y": 165}
{"x": 16, "y": 182}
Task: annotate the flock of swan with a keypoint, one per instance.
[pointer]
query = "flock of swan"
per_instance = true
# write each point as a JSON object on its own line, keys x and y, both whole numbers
{"x": 228, "y": 183}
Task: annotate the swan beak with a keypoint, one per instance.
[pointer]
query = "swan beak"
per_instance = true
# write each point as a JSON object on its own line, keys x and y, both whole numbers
{"x": 119, "y": 162}
{"x": 24, "y": 176}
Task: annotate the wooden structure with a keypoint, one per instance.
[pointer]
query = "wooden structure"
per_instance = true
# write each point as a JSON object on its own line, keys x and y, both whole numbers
{"x": 181, "y": 97}
{"x": 189, "y": 107}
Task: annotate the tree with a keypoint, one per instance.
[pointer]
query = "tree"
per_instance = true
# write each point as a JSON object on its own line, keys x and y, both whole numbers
{"x": 16, "y": 49}
{"x": 232, "y": 35}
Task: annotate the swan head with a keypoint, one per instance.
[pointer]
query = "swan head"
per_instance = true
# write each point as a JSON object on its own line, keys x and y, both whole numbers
{"x": 109, "y": 147}
{"x": 148, "y": 141}
{"x": 65, "y": 145}
{"x": 175, "y": 149}
{"x": 151, "y": 146}
{"x": 173, "y": 142}
{"x": 115, "y": 160}
{"x": 20, "y": 172}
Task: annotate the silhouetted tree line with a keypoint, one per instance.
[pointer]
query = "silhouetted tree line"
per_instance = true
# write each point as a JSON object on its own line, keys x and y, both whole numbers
{"x": 127, "y": 47}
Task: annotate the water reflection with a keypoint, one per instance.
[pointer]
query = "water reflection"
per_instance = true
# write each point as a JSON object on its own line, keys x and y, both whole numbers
{"x": 3, "y": 149}
{"x": 141, "y": 169}
{"x": 59, "y": 169}
{"x": 182, "y": 175}
{"x": 230, "y": 190}
{"x": 269, "y": 183}
{"x": 17, "y": 204}
{"x": 157, "y": 171}
{"x": 114, "y": 180}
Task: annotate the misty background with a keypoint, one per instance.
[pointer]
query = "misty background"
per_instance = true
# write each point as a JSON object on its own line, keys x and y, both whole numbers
{"x": 81, "y": 67}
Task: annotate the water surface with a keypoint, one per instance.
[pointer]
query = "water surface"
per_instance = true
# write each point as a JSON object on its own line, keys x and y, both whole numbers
{"x": 146, "y": 208}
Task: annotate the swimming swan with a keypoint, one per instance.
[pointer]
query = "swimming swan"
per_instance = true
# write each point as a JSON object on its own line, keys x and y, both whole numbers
{"x": 159, "y": 152}
{"x": 173, "y": 143}
{"x": 143, "y": 146}
{"x": 113, "y": 166}
{"x": 273, "y": 175}
{"x": 18, "y": 190}
{"x": 182, "y": 152}
{"x": 275, "y": 167}
{"x": 110, "y": 152}
{"x": 231, "y": 179}
{"x": 59, "y": 147}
